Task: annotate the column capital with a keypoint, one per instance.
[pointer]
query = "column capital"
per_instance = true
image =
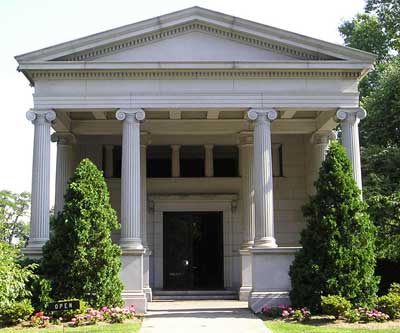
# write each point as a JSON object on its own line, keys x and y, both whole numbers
{"x": 208, "y": 146}
{"x": 245, "y": 138}
{"x": 109, "y": 147}
{"x": 130, "y": 115}
{"x": 349, "y": 114}
{"x": 47, "y": 115}
{"x": 323, "y": 137}
{"x": 262, "y": 114}
{"x": 63, "y": 138}
{"x": 175, "y": 147}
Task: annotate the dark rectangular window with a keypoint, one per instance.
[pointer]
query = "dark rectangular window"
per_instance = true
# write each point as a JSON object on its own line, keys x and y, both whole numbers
{"x": 192, "y": 161}
{"x": 277, "y": 167}
{"x": 226, "y": 161}
{"x": 159, "y": 161}
{"x": 117, "y": 160}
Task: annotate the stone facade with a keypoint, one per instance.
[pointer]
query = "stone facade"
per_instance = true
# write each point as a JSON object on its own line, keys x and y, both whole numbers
{"x": 205, "y": 79}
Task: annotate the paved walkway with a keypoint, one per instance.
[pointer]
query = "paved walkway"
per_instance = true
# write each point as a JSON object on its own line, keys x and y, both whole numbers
{"x": 201, "y": 316}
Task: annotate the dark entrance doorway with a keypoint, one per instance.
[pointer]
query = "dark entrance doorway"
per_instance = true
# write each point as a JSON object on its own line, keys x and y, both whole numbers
{"x": 193, "y": 251}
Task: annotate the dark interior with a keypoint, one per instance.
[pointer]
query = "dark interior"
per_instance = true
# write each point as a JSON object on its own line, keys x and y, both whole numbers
{"x": 193, "y": 251}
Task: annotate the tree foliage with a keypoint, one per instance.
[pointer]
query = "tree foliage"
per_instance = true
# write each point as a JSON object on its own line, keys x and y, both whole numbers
{"x": 388, "y": 12}
{"x": 14, "y": 209}
{"x": 80, "y": 259}
{"x": 337, "y": 255}
{"x": 13, "y": 276}
{"x": 378, "y": 31}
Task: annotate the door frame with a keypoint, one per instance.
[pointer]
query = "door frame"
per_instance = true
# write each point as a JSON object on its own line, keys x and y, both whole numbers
{"x": 225, "y": 203}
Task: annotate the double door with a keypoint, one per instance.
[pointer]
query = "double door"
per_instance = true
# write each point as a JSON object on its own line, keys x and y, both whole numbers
{"x": 193, "y": 250}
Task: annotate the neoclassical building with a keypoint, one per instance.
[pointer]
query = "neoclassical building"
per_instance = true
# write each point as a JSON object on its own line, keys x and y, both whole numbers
{"x": 210, "y": 130}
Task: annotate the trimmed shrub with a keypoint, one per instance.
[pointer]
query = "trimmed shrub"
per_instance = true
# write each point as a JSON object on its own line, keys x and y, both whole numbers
{"x": 390, "y": 304}
{"x": 352, "y": 316}
{"x": 335, "y": 305}
{"x": 17, "y": 312}
{"x": 394, "y": 288}
{"x": 80, "y": 259}
{"x": 338, "y": 252}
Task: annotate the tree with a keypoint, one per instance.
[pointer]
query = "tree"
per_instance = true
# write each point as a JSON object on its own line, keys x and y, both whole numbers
{"x": 13, "y": 277}
{"x": 14, "y": 208}
{"x": 80, "y": 259}
{"x": 388, "y": 12}
{"x": 338, "y": 253}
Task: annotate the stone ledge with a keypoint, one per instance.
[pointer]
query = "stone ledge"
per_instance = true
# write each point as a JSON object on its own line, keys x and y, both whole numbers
{"x": 275, "y": 250}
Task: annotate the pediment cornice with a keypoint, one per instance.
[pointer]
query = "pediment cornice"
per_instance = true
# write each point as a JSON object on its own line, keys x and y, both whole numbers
{"x": 200, "y": 20}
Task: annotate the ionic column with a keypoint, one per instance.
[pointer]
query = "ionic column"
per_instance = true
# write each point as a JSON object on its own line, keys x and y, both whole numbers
{"x": 263, "y": 182}
{"x": 176, "y": 167}
{"x": 320, "y": 143}
{"x": 39, "y": 226}
{"x": 130, "y": 178}
{"x": 63, "y": 167}
{"x": 109, "y": 161}
{"x": 246, "y": 172}
{"x": 349, "y": 119}
{"x": 209, "y": 161}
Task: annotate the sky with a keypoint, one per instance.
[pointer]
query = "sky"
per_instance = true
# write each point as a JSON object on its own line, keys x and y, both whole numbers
{"x": 28, "y": 25}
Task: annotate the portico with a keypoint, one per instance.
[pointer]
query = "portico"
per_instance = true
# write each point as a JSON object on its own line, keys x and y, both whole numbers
{"x": 195, "y": 112}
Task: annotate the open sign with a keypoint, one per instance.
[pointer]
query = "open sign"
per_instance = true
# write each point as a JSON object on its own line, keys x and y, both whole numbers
{"x": 63, "y": 306}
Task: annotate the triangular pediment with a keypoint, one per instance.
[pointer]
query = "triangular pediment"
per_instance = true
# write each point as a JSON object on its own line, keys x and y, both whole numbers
{"x": 192, "y": 47}
{"x": 195, "y": 34}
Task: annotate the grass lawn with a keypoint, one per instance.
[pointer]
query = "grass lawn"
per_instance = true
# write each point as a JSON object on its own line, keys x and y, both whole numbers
{"x": 282, "y": 327}
{"x": 114, "y": 328}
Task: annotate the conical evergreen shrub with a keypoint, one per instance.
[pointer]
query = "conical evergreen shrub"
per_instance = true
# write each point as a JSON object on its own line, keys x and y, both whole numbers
{"x": 80, "y": 259}
{"x": 338, "y": 253}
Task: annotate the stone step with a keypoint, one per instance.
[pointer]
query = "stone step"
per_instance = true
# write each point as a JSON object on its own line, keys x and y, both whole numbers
{"x": 194, "y": 295}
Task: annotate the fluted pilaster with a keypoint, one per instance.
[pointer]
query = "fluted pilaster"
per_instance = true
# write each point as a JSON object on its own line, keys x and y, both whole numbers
{"x": 144, "y": 141}
{"x": 209, "y": 161}
{"x": 246, "y": 172}
{"x": 349, "y": 119}
{"x": 63, "y": 167}
{"x": 39, "y": 226}
{"x": 263, "y": 182}
{"x": 130, "y": 178}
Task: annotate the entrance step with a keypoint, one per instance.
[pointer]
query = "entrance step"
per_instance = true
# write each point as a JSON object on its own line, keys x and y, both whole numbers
{"x": 195, "y": 295}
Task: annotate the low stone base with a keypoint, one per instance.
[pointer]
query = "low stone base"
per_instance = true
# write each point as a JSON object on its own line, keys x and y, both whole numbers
{"x": 33, "y": 251}
{"x": 244, "y": 293}
{"x": 271, "y": 282}
{"x": 138, "y": 299}
{"x": 257, "y": 300}
{"x": 149, "y": 294}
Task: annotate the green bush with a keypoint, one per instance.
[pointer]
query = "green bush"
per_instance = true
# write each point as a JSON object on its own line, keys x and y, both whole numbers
{"x": 13, "y": 276}
{"x": 17, "y": 312}
{"x": 80, "y": 258}
{"x": 390, "y": 304}
{"x": 394, "y": 288}
{"x": 335, "y": 305}
{"x": 352, "y": 316}
{"x": 338, "y": 252}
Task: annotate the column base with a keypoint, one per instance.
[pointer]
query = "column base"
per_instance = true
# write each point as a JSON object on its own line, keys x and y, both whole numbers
{"x": 244, "y": 293}
{"x": 246, "y": 270}
{"x": 257, "y": 300}
{"x": 146, "y": 277}
{"x": 34, "y": 249}
{"x": 266, "y": 242}
{"x": 136, "y": 298}
{"x": 132, "y": 278}
{"x": 129, "y": 244}
{"x": 270, "y": 276}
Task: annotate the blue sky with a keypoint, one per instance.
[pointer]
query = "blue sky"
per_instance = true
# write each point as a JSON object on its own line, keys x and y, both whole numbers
{"x": 27, "y": 25}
